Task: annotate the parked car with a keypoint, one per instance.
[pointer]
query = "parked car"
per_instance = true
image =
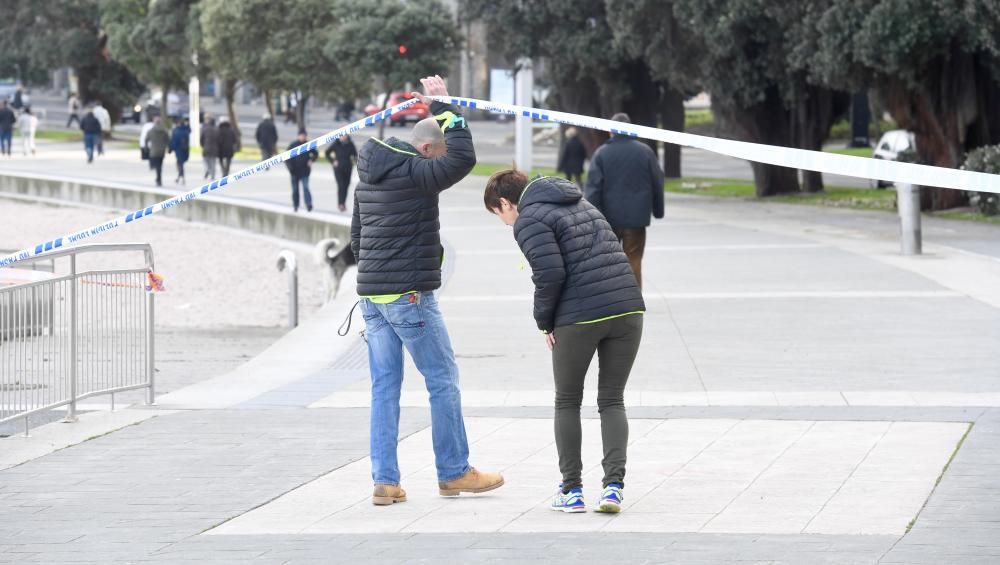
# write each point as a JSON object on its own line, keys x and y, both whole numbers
{"x": 7, "y": 89}
{"x": 133, "y": 114}
{"x": 889, "y": 146}
{"x": 414, "y": 113}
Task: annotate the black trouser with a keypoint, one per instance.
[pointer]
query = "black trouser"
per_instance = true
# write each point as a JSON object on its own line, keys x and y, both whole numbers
{"x": 616, "y": 343}
{"x": 577, "y": 176}
{"x": 225, "y": 162}
{"x": 267, "y": 151}
{"x": 343, "y": 177}
{"x": 156, "y": 163}
{"x": 73, "y": 117}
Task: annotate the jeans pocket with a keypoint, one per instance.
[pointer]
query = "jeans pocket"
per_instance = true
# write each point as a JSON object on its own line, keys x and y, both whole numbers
{"x": 407, "y": 319}
{"x": 374, "y": 321}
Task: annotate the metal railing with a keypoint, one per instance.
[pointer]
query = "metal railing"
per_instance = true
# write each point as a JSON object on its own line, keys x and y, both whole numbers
{"x": 75, "y": 333}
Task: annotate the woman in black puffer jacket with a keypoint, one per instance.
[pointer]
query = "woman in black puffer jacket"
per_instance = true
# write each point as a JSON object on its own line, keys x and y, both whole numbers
{"x": 586, "y": 301}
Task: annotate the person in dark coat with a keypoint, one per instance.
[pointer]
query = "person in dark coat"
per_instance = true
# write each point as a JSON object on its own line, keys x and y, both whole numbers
{"x": 342, "y": 154}
{"x": 586, "y": 301}
{"x": 299, "y": 167}
{"x": 625, "y": 183}
{"x": 396, "y": 239}
{"x": 210, "y": 147}
{"x": 157, "y": 142}
{"x": 180, "y": 146}
{"x": 7, "y": 120}
{"x": 91, "y": 127}
{"x": 267, "y": 137}
{"x": 228, "y": 145}
{"x": 572, "y": 157}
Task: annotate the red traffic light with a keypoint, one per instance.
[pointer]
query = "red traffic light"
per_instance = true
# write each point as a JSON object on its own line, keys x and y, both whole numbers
{"x": 402, "y": 50}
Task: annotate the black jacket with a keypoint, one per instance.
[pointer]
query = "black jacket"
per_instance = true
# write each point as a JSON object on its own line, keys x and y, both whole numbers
{"x": 209, "y": 140}
{"x": 625, "y": 182}
{"x": 343, "y": 152}
{"x": 90, "y": 124}
{"x": 267, "y": 134}
{"x": 227, "y": 140}
{"x": 395, "y": 232}
{"x": 7, "y": 119}
{"x": 299, "y": 166}
{"x": 572, "y": 157}
{"x": 579, "y": 269}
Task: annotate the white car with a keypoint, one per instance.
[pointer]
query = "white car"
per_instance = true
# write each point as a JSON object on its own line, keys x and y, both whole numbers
{"x": 890, "y": 146}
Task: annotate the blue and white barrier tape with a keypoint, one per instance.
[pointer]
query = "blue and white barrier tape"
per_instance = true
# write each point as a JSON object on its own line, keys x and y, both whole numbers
{"x": 847, "y": 165}
{"x": 804, "y": 159}
{"x": 75, "y": 237}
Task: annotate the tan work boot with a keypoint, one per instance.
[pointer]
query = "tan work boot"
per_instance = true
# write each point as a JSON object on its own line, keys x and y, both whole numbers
{"x": 472, "y": 481}
{"x": 386, "y": 495}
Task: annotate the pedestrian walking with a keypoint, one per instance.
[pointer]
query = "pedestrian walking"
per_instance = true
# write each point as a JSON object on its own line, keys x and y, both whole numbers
{"x": 156, "y": 143}
{"x": 586, "y": 301}
{"x": 396, "y": 240}
{"x": 143, "y": 149}
{"x": 91, "y": 127}
{"x": 7, "y": 120}
{"x": 299, "y": 167}
{"x": 102, "y": 115}
{"x": 73, "y": 108}
{"x": 228, "y": 145}
{"x": 342, "y": 154}
{"x": 572, "y": 157}
{"x": 625, "y": 183}
{"x": 18, "y": 102}
{"x": 29, "y": 126}
{"x": 210, "y": 147}
{"x": 267, "y": 137}
{"x": 180, "y": 146}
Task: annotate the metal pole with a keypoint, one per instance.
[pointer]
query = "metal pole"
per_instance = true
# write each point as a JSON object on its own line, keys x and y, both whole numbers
{"x": 908, "y": 203}
{"x": 524, "y": 83}
{"x": 194, "y": 111}
{"x": 73, "y": 305}
{"x": 286, "y": 261}
{"x": 150, "y": 340}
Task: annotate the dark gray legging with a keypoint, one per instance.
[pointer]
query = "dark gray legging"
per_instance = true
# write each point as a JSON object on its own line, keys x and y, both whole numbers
{"x": 616, "y": 343}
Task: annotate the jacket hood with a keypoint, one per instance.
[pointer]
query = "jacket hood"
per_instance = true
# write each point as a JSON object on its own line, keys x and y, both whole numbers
{"x": 378, "y": 158}
{"x": 550, "y": 190}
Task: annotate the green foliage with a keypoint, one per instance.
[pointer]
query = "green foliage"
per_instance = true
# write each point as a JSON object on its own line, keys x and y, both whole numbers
{"x": 854, "y": 151}
{"x": 841, "y": 129}
{"x": 985, "y": 160}
{"x": 155, "y": 40}
{"x": 370, "y": 33}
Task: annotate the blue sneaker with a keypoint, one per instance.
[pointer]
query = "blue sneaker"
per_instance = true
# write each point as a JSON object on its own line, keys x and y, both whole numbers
{"x": 571, "y": 501}
{"x": 611, "y": 499}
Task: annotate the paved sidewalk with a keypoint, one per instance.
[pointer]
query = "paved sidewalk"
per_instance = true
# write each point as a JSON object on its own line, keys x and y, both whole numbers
{"x": 803, "y": 395}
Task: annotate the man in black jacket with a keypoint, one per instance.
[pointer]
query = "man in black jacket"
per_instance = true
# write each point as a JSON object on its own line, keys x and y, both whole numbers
{"x": 7, "y": 121}
{"x": 625, "y": 183}
{"x": 586, "y": 301}
{"x": 396, "y": 240}
{"x": 300, "y": 167}
{"x": 342, "y": 154}
{"x": 267, "y": 137}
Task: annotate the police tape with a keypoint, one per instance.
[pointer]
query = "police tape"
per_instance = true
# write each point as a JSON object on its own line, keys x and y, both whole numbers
{"x": 75, "y": 237}
{"x": 803, "y": 159}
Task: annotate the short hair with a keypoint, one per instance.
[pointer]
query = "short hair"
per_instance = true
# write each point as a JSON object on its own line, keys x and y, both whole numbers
{"x": 621, "y": 117}
{"x": 427, "y": 131}
{"x": 507, "y": 184}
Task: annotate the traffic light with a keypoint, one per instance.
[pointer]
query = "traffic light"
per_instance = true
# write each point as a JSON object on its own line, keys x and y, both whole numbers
{"x": 402, "y": 50}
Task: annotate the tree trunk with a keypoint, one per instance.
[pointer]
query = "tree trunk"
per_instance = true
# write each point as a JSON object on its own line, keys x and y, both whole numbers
{"x": 164, "y": 111}
{"x": 230, "y": 86}
{"x": 270, "y": 104}
{"x": 815, "y": 111}
{"x": 300, "y": 111}
{"x": 672, "y": 118}
{"x": 770, "y": 123}
{"x": 385, "y": 104}
{"x": 581, "y": 97}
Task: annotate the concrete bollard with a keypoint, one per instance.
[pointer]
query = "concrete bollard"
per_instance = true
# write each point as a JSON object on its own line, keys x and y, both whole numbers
{"x": 908, "y": 204}
{"x": 287, "y": 262}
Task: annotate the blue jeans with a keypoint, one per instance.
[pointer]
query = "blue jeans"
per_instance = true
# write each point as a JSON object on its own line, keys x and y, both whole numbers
{"x": 89, "y": 143}
{"x": 414, "y": 322}
{"x": 305, "y": 189}
{"x": 6, "y": 136}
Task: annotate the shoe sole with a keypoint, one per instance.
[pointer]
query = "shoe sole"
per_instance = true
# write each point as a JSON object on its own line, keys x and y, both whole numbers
{"x": 609, "y": 508}
{"x": 570, "y": 509}
{"x": 457, "y": 491}
{"x": 387, "y": 500}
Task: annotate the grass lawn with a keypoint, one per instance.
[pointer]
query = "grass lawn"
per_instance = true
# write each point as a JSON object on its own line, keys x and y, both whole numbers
{"x": 856, "y": 151}
{"x": 833, "y": 196}
{"x": 59, "y": 135}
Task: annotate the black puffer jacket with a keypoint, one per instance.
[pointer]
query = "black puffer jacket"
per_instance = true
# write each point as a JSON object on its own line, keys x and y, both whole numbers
{"x": 395, "y": 232}
{"x": 579, "y": 269}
